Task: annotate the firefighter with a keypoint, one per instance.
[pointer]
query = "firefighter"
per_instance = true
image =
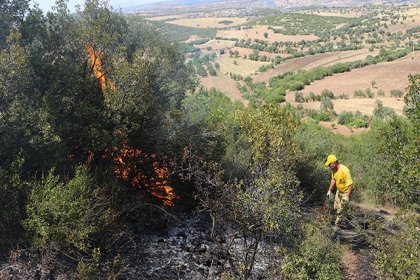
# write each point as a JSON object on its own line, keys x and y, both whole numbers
{"x": 341, "y": 179}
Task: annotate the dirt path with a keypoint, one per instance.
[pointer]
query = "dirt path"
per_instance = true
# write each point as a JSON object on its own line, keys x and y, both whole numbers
{"x": 357, "y": 260}
{"x": 357, "y": 264}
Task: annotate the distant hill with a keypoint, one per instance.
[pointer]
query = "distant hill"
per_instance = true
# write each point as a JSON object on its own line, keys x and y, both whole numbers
{"x": 185, "y": 5}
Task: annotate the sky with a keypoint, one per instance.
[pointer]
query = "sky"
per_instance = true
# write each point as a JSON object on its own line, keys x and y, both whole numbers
{"x": 46, "y": 5}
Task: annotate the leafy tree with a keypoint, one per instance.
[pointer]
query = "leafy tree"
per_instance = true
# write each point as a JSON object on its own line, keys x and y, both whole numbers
{"x": 261, "y": 192}
{"x": 412, "y": 100}
{"x": 400, "y": 183}
{"x": 382, "y": 112}
{"x": 12, "y": 15}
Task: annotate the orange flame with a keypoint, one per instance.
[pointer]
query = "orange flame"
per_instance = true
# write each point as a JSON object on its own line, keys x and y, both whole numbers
{"x": 132, "y": 163}
{"x": 96, "y": 58}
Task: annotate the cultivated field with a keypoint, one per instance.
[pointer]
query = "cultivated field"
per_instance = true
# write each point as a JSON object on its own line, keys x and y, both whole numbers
{"x": 364, "y": 105}
{"x": 224, "y": 84}
{"x": 412, "y": 20}
{"x": 405, "y": 25}
{"x": 387, "y": 76}
{"x": 247, "y": 52}
{"x": 312, "y": 61}
{"x": 216, "y": 45}
{"x": 210, "y": 22}
{"x": 257, "y": 32}
{"x": 244, "y": 67}
{"x": 413, "y": 12}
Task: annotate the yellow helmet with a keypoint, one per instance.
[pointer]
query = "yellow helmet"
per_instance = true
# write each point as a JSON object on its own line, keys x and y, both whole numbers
{"x": 330, "y": 159}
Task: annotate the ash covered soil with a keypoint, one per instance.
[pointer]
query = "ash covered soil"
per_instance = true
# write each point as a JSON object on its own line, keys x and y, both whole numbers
{"x": 185, "y": 250}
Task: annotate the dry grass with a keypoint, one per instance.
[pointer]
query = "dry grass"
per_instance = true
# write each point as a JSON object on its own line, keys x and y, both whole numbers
{"x": 244, "y": 67}
{"x": 342, "y": 129}
{"x": 210, "y": 22}
{"x": 413, "y": 11}
{"x": 257, "y": 32}
{"x": 312, "y": 61}
{"x": 216, "y": 44}
{"x": 387, "y": 75}
{"x": 224, "y": 84}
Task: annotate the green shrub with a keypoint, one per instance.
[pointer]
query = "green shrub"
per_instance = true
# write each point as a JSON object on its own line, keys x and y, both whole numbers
{"x": 343, "y": 96}
{"x": 327, "y": 93}
{"x": 369, "y": 93}
{"x": 326, "y": 104}
{"x": 318, "y": 257}
{"x": 359, "y": 93}
{"x": 63, "y": 214}
{"x": 319, "y": 115}
{"x": 383, "y": 112}
{"x": 397, "y": 254}
{"x": 12, "y": 208}
{"x": 353, "y": 119}
{"x": 312, "y": 96}
{"x": 396, "y": 93}
{"x": 314, "y": 142}
{"x": 399, "y": 142}
{"x": 345, "y": 117}
{"x": 299, "y": 97}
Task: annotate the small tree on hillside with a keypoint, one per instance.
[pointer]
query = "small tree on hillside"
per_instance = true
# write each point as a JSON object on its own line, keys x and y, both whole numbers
{"x": 327, "y": 104}
{"x": 412, "y": 99}
{"x": 262, "y": 197}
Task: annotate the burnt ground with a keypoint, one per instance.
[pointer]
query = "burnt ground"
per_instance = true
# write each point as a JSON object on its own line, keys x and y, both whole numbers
{"x": 186, "y": 251}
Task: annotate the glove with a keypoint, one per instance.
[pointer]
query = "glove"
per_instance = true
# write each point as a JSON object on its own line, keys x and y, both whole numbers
{"x": 329, "y": 195}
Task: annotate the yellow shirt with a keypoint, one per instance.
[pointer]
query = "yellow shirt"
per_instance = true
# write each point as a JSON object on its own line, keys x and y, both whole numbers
{"x": 342, "y": 178}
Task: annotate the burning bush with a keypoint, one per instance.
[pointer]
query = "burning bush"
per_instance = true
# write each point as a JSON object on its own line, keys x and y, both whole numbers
{"x": 143, "y": 171}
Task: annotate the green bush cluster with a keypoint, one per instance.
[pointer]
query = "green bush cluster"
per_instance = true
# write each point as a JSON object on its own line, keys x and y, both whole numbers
{"x": 353, "y": 119}
{"x": 317, "y": 257}
{"x": 383, "y": 112}
{"x": 285, "y": 82}
{"x": 65, "y": 214}
{"x": 12, "y": 210}
{"x": 396, "y": 93}
{"x": 396, "y": 254}
{"x": 319, "y": 115}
